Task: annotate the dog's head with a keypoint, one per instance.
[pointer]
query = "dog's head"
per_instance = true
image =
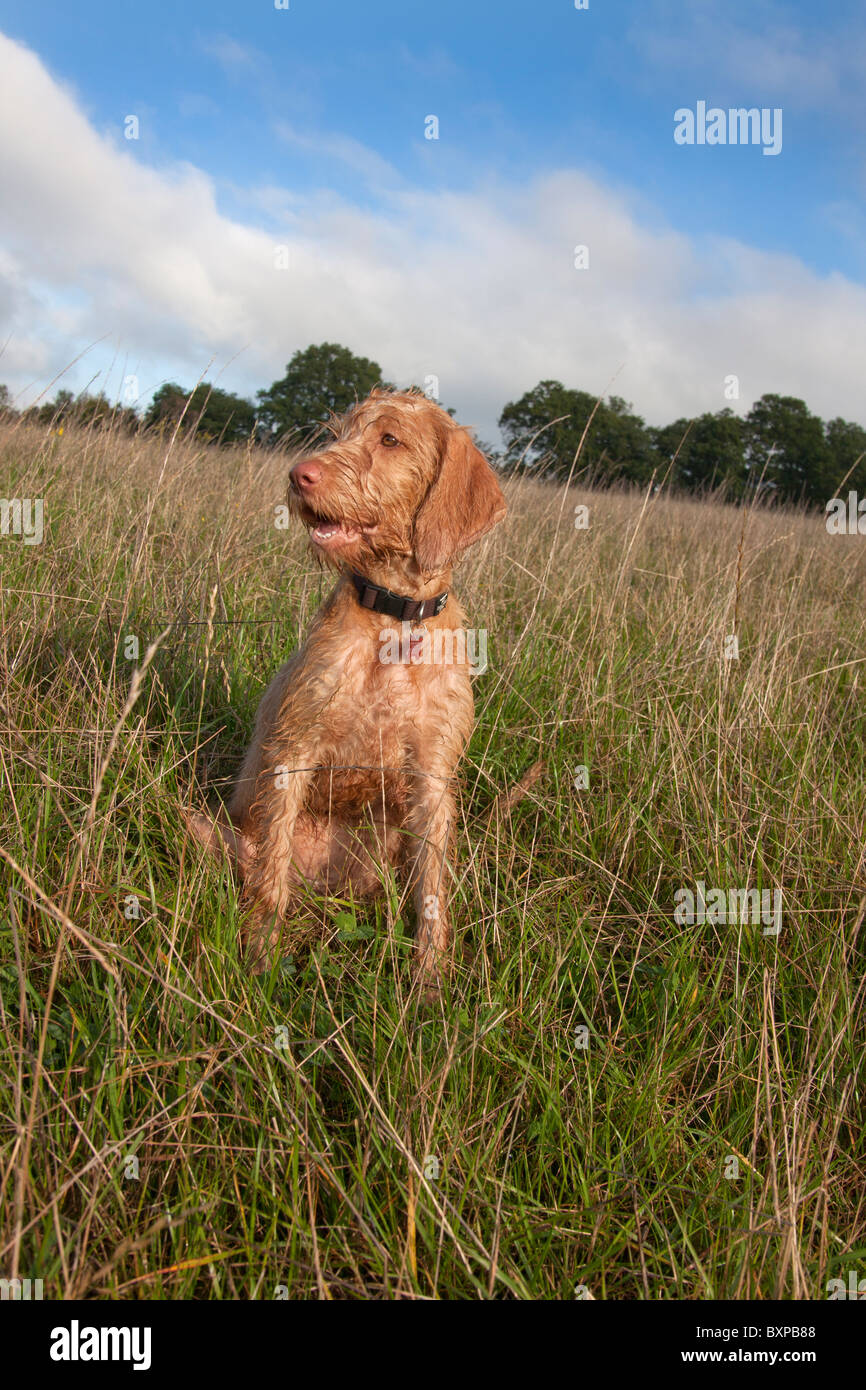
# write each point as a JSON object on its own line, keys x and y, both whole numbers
{"x": 399, "y": 481}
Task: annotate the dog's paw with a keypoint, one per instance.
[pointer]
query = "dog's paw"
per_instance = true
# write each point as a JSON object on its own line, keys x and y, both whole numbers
{"x": 219, "y": 838}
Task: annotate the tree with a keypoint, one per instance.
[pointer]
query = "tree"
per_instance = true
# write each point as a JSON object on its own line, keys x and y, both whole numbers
{"x": 622, "y": 441}
{"x": 167, "y": 405}
{"x": 847, "y": 445}
{"x": 97, "y": 412}
{"x": 217, "y": 416}
{"x": 318, "y": 381}
{"x": 5, "y": 398}
{"x": 785, "y": 444}
{"x": 84, "y": 412}
{"x": 710, "y": 455}
{"x": 58, "y": 410}
{"x": 543, "y": 430}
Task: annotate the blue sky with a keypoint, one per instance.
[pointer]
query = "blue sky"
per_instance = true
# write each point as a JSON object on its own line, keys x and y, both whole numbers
{"x": 305, "y": 127}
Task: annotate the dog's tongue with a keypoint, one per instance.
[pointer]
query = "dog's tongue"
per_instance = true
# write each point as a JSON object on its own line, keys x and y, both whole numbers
{"x": 326, "y": 529}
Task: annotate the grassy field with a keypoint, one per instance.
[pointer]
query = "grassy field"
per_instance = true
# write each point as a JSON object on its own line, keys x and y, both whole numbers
{"x": 606, "y": 1102}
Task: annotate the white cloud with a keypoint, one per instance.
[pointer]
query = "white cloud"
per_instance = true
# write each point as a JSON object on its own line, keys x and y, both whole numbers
{"x": 477, "y": 288}
{"x": 343, "y": 149}
{"x": 236, "y": 59}
{"x": 765, "y": 56}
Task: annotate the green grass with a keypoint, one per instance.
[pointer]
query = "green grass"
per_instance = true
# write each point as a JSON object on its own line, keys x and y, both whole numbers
{"x": 566, "y": 1116}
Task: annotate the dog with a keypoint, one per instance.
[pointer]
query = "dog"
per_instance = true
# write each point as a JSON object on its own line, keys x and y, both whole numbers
{"x": 358, "y": 737}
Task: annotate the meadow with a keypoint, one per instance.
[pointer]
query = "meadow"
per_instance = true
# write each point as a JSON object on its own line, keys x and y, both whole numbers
{"x": 606, "y": 1102}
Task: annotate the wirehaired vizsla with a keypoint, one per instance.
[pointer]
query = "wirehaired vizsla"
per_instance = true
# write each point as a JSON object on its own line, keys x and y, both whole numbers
{"x": 353, "y": 758}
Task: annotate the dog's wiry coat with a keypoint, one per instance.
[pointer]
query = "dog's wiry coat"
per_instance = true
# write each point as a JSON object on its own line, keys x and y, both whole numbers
{"x": 352, "y": 761}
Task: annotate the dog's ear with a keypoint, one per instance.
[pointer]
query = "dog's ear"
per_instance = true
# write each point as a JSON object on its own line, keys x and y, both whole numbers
{"x": 465, "y": 501}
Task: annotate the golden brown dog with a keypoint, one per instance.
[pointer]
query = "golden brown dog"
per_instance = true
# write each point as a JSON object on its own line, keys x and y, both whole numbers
{"x": 359, "y": 734}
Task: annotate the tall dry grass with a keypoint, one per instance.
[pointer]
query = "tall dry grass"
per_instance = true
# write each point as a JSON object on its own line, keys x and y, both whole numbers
{"x": 606, "y": 1099}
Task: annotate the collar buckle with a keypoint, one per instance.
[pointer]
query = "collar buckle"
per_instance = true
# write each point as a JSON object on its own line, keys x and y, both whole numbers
{"x": 379, "y": 600}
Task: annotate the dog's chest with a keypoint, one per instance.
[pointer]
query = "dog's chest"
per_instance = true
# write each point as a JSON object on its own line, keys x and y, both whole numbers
{"x": 379, "y": 721}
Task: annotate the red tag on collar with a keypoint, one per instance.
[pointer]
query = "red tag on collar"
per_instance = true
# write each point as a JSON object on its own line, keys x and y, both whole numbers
{"x": 415, "y": 646}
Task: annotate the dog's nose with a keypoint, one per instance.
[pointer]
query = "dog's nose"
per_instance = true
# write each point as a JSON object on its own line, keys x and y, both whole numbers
{"x": 305, "y": 475}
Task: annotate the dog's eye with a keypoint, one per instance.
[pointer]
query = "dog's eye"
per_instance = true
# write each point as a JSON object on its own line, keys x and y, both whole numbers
{"x": 389, "y": 441}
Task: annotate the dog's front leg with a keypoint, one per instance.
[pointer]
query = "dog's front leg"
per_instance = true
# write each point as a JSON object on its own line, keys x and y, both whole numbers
{"x": 272, "y": 876}
{"x": 431, "y": 820}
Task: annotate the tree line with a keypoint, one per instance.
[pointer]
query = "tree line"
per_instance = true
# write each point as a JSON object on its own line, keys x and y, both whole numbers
{"x": 779, "y": 447}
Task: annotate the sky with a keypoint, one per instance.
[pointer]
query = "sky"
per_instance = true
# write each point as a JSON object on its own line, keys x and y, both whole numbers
{"x": 281, "y": 190}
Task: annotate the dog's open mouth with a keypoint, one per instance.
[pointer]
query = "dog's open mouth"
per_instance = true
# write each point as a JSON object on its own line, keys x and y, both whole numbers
{"x": 331, "y": 535}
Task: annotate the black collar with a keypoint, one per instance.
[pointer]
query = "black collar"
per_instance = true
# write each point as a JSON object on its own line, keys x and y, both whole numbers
{"x": 380, "y": 600}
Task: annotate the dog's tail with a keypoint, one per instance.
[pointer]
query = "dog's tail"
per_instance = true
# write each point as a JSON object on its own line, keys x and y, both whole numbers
{"x": 512, "y": 796}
